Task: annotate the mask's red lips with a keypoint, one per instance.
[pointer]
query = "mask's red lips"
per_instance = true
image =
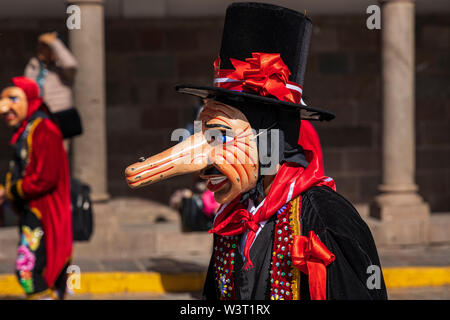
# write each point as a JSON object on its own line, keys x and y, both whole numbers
{"x": 216, "y": 183}
{"x": 216, "y": 179}
{"x": 9, "y": 116}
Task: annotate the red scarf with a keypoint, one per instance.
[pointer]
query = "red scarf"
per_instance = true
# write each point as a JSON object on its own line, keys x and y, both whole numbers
{"x": 31, "y": 89}
{"x": 290, "y": 181}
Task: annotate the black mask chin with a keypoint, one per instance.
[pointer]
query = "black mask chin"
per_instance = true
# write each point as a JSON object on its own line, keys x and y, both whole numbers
{"x": 265, "y": 117}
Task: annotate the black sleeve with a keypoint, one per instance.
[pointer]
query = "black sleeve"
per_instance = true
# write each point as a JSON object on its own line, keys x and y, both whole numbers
{"x": 347, "y": 236}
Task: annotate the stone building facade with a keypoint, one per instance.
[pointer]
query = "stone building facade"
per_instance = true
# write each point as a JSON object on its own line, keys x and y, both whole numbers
{"x": 145, "y": 58}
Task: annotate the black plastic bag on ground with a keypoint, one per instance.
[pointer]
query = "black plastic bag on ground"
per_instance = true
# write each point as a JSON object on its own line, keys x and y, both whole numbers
{"x": 82, "y": 213}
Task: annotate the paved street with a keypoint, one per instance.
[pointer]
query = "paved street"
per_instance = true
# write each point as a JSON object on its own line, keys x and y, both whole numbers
{"x": 421, "y": 293}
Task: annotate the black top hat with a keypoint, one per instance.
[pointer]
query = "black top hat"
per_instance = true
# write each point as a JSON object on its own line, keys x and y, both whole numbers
{"x": 263, "y": 28}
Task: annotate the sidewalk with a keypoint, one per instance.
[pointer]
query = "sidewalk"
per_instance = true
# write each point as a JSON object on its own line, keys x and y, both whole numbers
{"x": 138, "y": 252}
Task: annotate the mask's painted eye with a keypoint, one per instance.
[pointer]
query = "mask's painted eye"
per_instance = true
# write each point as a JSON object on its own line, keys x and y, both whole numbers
{"x": 210, "y": 139}
{"x": 226, "y": 139}
{"x": 14, "y": 99}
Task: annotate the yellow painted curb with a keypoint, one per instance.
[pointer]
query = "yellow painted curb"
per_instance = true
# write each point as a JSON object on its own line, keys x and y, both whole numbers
{"x": 403, "y": 277}
{"x": 120, "y": 282}
{"x": 153, "y": 282}
{"x": 140, "y": 282}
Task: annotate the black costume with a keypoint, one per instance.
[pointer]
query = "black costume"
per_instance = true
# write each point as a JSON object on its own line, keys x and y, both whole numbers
{"x": 340, "y": 228}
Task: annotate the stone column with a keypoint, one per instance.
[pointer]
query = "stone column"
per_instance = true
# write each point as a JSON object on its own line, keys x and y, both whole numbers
{"x": 89, "y": 150}
{"x": 402, "y": 212}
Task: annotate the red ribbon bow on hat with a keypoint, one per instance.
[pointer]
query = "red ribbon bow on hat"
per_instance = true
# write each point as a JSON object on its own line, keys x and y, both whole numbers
{"x": 265, "y": 74}
{"x": 311, "y": 257}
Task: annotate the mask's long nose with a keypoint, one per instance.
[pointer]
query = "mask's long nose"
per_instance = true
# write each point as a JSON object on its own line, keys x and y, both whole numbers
{"x": 188, "y": 156}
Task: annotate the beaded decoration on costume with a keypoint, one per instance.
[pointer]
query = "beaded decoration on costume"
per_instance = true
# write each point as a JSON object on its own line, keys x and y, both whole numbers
{"x": 284, "y": 277}
{"x": 225, "y": 250}
{"x": 280, "y": 273}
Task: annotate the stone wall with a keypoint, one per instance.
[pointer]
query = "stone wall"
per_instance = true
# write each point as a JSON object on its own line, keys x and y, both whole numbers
{"x": 145, "y": 58}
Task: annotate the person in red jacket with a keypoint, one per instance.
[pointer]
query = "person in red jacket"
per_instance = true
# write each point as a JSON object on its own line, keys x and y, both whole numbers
{"x": 38, "y": 187}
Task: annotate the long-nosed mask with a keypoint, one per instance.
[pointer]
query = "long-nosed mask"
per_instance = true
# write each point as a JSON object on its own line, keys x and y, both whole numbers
{"x": 258, "y": 86}
{"x": 224, "y": 152}
{"x": 13, "y": 106}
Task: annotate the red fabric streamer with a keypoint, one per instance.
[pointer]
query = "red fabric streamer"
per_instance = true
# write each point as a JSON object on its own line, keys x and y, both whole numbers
{"x": 311, "y": 257}
{"x": 310, "y": 142}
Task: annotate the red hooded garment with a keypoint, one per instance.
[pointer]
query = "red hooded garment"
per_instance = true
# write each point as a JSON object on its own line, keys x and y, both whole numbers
{"x": 45, "y": 185}
{"x": 310, "y": 142}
